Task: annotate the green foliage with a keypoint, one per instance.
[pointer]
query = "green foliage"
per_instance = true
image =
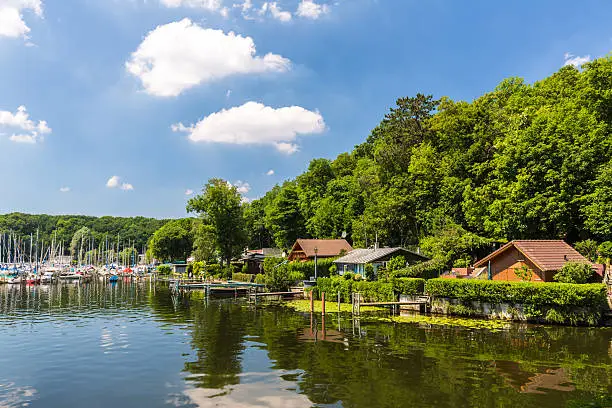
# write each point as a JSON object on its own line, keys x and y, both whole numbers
{"x": 521, "y": 161}
{"x": 408, "y": 286}
{"x": 164, "y": 269}
{"x": 305, "y": 269}
{"x": 260, "y": 279}
{"x": 588, "y": 248}
{"x": 460, "y": 310}
{"x": 369, "y": 272}
{"x": 198, "y": 268}
{"x": 525, "y": 274}
{"x": 333, "y": 270}
{"x": 427, "y": 270}
{"x": 242, "y": 277}
{"x": 577, "y": 303}
{"x": 574, "y": 272}
{"x": 78, "y": 244}
{"x": 173, "y": 241}
{"x": 605, "y": 250}
{"x": 220, "y": 207}
{"x": 214, "y": 269}
{"x": 204, "y": 247}
{"x": 396, "y": 263}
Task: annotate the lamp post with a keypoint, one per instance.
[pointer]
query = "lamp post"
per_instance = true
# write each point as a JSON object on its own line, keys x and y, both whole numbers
{"x": 316, "y": 250}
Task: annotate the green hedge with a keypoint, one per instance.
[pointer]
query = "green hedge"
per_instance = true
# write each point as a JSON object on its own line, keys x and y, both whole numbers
{"x": 242, "y": 277}
{"x": 372, "y": 291}
{"x": 427, "y": 270}
{"x": 303, "y": 269}
{"x": 552, "y": 302}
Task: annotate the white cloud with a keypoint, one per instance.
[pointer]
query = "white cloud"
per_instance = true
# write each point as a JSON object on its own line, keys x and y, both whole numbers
{"x": 126, "y": 187}
{"x": 64, "y": 189}
{"x": 177, "y": 56}
{"x": 279, "y": 14}
{"x": 28, "y": 131}
{"x": 245, "y": 200}
{"x": 576, "y": 61}
{"x": 113, "y": 182}
{"x": 270, "y": 172}
{"x": 312, "y": 10}
{"x": 228, "y": 94}
{"x": 211, "y": 5}
{"x": 287, "y": 148}
{"x": 188, "y": 192}
{"x": 254, "y": 123}
{"x": 11, "y": 16}
{"x": 242, "y": 187}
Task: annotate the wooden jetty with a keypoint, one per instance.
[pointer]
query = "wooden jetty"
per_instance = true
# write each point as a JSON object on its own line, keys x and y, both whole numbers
{"x": 422, "y": 301}
{"x": 253, "y": 296}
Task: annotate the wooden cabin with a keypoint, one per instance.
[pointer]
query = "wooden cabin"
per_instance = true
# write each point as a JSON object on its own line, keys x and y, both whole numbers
{"x": 538, "y": 259}
{"x": 306, "y": 249}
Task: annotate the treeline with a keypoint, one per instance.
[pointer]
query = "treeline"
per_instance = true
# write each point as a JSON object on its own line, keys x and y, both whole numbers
{"x": 135, "y": 230}
{"x": 525, "y": 161}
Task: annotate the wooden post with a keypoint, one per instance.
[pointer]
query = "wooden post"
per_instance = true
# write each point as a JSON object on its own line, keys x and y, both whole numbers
{"x": 311, "y": 303}
{"x": 323, "y": 303}
{"x": 338, "y": 301}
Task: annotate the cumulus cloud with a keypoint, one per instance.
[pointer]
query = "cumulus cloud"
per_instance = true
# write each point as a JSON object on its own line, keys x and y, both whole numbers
{"x": 188, "y": 192}
{"x": 279, "y": 14}
{"x": 312, "y": 10}
{"x": 576, "y": 61}
{"x": 115, "y": 182}
{"x": 210, "y": 5}
{"x": 256, "y": 124}
{"x": 24, "y": 129}
{"x": 242, "y": 187}
{"x": 270, "y": 172}
{"x": 64, "y": 189}
{"x": 12, "y": 23}
{"x": 180, "y": 55}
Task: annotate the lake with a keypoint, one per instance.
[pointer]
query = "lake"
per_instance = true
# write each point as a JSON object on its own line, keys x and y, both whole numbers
{"x": 141, "y": 345}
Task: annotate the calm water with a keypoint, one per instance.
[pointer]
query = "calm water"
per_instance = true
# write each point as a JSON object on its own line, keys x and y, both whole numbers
{"x": 137, "y": 345}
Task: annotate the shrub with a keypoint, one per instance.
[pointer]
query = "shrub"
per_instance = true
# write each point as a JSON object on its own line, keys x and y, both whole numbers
{"x": 574, "y": 272}
{"x": 305, "y": 268}
{"x": 242, "y": 277}
{"x": 260, "y": 279}
{"x": 198, "y": 268}
{"x": 396, "y": 263}
{"x": 348, "y": 275}
{"x": 357, "y": 277}
{"x": 605, "y": 249}
{"x": 213, "y": 269}
{"x": 369, "y": 272}
{"x": 427, "y": 270}
{"x": 372, "y": 291}
{"x": 333, "y": 270}
{"x": 245, "y": 268}
{"x": 164, "y": 269}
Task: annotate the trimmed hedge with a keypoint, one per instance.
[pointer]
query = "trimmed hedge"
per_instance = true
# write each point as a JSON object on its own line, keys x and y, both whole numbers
{"x": 552, "y": 302}
{"x": 242, "y": 277}
{"x": 371, "y": 291}
{"x": 427, "y": 270}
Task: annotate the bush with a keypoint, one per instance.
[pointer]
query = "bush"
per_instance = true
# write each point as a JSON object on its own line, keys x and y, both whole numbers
{"x": 576, "y": 303}
{"x": 369, "y": 272}
{"x": 396, "y": 263}
{"x": 605, "y": 249}
{"x": 408, "y": 286}
{"x": 242, "y": 277}
{"x": 260, "y": 279}
{"x": 245, "y": 268}
{"x": 588, "y": 248}
{"x": 333, "y": 270}
{"x": 213, "y": 269}
{"x": 305, "y": 268}
{"x": 198, "y": 268}
{"x": 574, "y": 272}
{"x": 427, "y": 270}
{"x": 164, "y": 269}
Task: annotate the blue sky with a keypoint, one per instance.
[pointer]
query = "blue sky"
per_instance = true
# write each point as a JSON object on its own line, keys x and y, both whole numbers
{"x": 162, "y": 95}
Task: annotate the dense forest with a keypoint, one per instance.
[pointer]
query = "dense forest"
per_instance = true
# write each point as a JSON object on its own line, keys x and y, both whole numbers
{"x": 136, "y": 230}
{"x": 523, "y": 161}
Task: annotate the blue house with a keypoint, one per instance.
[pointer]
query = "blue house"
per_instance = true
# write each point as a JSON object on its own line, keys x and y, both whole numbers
{"x": 356, "y": 260}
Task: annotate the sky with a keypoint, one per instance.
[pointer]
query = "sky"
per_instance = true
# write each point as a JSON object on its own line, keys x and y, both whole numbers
{"x": 128, "y": 107}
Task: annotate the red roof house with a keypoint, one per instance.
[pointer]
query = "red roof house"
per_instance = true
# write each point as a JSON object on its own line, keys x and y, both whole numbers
{"x": 305, "y": 249}
{"x": 539, "y": 259}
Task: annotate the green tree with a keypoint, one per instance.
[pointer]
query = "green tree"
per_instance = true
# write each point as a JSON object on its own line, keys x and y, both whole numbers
{"x": 574, "y": 272}
{"x": 588, "y": 248}
{"x": 173, "y": 241}
{"x": 79, "y": 243}
{"x": 220, "y": 207}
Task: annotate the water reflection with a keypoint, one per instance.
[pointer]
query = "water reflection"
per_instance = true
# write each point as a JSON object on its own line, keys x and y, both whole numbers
{"x": 153, "y": 347}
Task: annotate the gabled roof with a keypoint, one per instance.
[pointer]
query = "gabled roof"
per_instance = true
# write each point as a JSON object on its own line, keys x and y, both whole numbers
{"x": 363, "y": 256}
{"x": 548, "y": 255}
{"x": 325, "y": 247}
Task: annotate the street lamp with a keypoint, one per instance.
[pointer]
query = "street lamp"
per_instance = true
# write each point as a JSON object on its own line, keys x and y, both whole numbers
{"x": 316, "y": 250}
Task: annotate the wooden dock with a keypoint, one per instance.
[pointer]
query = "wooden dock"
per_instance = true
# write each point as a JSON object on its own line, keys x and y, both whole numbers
{"x": 418, "y": 301}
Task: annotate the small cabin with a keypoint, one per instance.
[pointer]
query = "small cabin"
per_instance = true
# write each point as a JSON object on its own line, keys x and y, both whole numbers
{"x": 531, "y": 260}
{"x": 308, "y": 249}
{"x": 356, "y": 260}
